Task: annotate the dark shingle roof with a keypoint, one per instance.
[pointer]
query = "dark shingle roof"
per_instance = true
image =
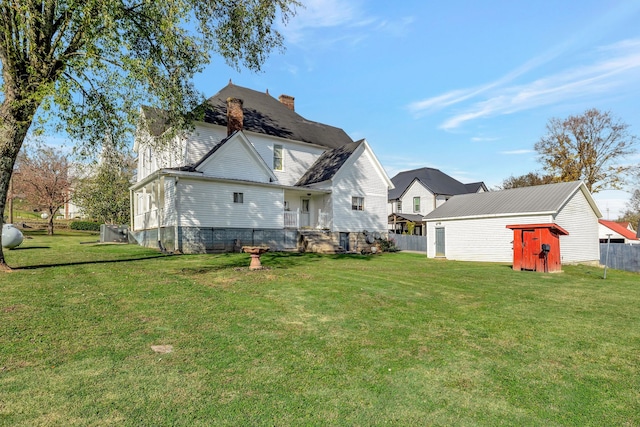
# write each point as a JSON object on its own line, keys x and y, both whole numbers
{"x": 524, "y": 200}
{"x": 265, "y": 114}
{"x": 328, "y": 164}
{"x": 433, "y": 179}
{"x": 156, "y": 120}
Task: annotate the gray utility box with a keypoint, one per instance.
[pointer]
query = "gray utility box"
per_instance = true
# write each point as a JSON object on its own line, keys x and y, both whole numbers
{"x": 111, "y": 233}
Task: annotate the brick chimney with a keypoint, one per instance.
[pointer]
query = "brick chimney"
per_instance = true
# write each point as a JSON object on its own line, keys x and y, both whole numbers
{"x": 235, "y": 116}
{"x": 288, "y": 101}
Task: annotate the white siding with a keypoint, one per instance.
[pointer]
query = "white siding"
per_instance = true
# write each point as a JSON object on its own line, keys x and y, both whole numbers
{"x": 210, "y": 204}
{"x": 234, "y": 161}
{"x": 359, "y": 177}
{"x": 579, "y": 219}
{"x": 169, "y": 212}
{"x": 297, "y": 157}
{"x": 202, "y": 140}
{"x": 483, "y": 239}
{"x": 154, "y": 154}
{"x": 416, "y": 189}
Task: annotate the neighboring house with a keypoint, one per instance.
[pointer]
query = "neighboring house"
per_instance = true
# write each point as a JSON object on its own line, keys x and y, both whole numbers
{"x": 617, "y": 233}
{"x": 254, "y": 172}
{"x": 418, "y": 192}
{"x": 473, "y": 227}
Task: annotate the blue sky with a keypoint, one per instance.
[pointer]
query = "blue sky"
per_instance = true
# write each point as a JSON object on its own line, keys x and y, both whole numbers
{"x": 463, "y": 86}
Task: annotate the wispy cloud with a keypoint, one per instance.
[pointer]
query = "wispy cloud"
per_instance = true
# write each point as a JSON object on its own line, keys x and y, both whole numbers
{"x": 483, "y": 139}
{"x": 612, "y": 71}
{"x": 340, "y": 22}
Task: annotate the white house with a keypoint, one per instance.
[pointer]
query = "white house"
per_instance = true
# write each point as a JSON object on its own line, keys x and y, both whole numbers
{"x": 254, "y": 172}
{"x": 613, "y": 232}
{"x": 418, "y": 192}
{"x": 472, "y": 227}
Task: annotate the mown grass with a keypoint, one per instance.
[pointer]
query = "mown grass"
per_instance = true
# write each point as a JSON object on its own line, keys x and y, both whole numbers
{"x": 396, "y": 339}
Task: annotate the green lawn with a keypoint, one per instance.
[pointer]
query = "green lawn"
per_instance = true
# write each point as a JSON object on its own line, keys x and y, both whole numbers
{"x": 395, "y": 339}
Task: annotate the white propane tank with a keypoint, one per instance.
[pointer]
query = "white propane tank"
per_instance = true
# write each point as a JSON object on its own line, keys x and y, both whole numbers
{"x": 11, "y": 236}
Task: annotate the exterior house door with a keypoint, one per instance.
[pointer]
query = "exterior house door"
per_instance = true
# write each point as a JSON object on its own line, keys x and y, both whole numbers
{"x": 440, "y": 242}
{"x": 529, "y": 250}
{"x": 305, "y": 217}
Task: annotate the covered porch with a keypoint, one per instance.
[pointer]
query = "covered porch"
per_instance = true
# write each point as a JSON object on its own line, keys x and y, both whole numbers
{"x": 400, "y": 223}
{"x": 146, "y": 205}
{"x": 307, "y": 209}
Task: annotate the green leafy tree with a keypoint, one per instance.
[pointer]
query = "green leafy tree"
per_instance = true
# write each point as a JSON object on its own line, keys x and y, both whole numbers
{"x": 589, "y": 147}
{"x": 527, "y": 180}
{"x": 103, "y": 191}
{"x": 93, "y": 62}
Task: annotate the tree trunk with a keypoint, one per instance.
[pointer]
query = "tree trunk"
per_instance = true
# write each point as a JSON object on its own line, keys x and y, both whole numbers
{"x": 15, "y": 119}
{"x": 50, "y": 224}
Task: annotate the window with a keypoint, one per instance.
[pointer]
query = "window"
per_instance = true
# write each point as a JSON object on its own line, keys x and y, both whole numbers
{"x": 357, "y": 203}
{"x": 399, "y": 206}
{"x": 238, "y": 197}
{"x": 286, "y": 205}
{"x": 277, "y": 158}
{"x": 416, "y": 204}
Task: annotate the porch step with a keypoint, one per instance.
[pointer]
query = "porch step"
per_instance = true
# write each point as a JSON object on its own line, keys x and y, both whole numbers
{"x": 318, "y": 242}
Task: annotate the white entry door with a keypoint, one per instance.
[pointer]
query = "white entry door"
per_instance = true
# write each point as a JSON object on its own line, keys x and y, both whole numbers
{"x": 305, "y": 217}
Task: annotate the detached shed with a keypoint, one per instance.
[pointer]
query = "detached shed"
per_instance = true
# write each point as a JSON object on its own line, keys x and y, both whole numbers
{"x": 473, "y": 227}
{"x": 536, "y": 247}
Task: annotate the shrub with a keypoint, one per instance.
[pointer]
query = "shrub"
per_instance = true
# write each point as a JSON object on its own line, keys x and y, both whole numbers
{"x": 85, "y": 226}
{"x": 387, "y": 245}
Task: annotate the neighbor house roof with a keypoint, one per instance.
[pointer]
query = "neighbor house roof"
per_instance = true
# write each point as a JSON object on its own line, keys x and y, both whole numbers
{"x": 328, "y": 164}
{"x": 407, "y": 217}
{"x": 548, "y": 198}
{"x": 434, "y": 180}
{"x": 619, "y": 228}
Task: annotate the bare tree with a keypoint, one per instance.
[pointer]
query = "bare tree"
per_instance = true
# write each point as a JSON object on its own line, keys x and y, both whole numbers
{"x": 43, "y": 179}
{"x": 589, "y": 147}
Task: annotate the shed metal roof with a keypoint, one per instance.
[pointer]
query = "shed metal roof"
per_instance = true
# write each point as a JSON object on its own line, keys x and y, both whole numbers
{"x": 549, "y": 198}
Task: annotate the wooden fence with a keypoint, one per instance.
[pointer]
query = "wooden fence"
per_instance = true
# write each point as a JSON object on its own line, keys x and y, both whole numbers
{"x": 405, "y": 242}
{"x": 621, "y": 256}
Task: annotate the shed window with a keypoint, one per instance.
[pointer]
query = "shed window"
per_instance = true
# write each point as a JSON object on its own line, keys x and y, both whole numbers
{"x": 277, "y": 158}
{"x": 357, "y": 203}
{"x": 238, "y": 197}
{"x": 416, "y": 204}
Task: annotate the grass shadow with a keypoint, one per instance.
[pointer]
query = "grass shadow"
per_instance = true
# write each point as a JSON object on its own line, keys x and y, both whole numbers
{"x": 26, "y": 248}
{"x": 66, "y": 264}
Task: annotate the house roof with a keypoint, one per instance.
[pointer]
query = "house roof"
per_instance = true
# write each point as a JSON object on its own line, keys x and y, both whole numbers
{"x": 434, "y": 180}
{"x": 266, "y": 115}
{"x": 328, "y": 164}
{"x": 406, "y": 216}
{"x": 262, "y": 114}
{"x": 619, "y": 228}
{"x": 537, "y": 199}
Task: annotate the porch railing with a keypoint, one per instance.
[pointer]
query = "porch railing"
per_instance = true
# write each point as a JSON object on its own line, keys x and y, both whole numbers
{"x": 324, "y": 220}
{"x": 146, "y": 220}
{"x": 292, "y": 219}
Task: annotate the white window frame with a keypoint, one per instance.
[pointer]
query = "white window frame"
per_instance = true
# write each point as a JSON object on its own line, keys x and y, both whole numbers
{"x": 238, "y": 197}
{"x": 416, "y": 207}
{"x": 278, "y": 149}
{"x": 357, "y": 203}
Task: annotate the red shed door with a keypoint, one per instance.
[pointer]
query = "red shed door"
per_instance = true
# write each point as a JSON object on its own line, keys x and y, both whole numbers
{"x": 529, "y": 249}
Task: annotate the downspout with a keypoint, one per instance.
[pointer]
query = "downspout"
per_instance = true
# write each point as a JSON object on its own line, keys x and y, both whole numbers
{"x": 176, "y": 245}
{"x": 162, "y": 249}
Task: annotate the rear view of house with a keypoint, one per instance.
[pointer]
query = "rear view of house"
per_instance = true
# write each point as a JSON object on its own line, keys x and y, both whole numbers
{"x": 254, "y": 172}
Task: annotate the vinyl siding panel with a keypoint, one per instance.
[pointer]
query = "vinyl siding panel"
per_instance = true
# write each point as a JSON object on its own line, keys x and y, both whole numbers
{"x": 579, "y": 219}
{"x": 169, "y": 212}
{"x": 202, "y": 140}
{"x": 210, "y": 204}
{"x": 484, "y": 239}
{"x": 234, "y": 161}
{"x": 359, "y": 177}
{"x": 297, "y": 157}
{"x": 427, "y": 203}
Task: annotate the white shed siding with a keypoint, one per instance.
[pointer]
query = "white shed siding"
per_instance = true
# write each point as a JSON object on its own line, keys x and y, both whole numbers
{"x": 579, "y": 219}
{"x": 234, "y": 161}
{"x": 481, "y": 239}
{"x": 297, "y": 157}
{"x": 427, "y": 199}
{"x": 210, "y": 204}
{"x": 359, "y": 177}
{"x": 202, "y": 140}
